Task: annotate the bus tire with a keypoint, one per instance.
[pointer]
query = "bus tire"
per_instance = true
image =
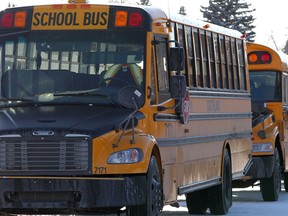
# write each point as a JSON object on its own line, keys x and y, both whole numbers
{"x": 197, "y": 202}
{"x": 270, "y": 187}
{"x": 154, "y": 198}
{"x": 285, "y": 178}
{"x": 220, "y": 196}
{"x": 4, "y": 213}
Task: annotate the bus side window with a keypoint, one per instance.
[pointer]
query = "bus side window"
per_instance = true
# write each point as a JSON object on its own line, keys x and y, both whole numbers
{"x": 1, "y": 57}
{"x": 153, "y": 84}
{"x": 241, "y": 57}
{"x": 284, "y": 89}
{"x": 162, "y": 71}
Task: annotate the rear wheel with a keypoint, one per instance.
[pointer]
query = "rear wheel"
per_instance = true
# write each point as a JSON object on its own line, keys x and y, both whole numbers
{"x": 220, "y": 196}
{"x": 270, "y": 187}
{"x": 197, "y": 202}
{"x": 153, "y": 203}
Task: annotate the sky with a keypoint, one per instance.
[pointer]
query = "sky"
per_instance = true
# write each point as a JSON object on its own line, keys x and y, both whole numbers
{"x": 271, "y": 26}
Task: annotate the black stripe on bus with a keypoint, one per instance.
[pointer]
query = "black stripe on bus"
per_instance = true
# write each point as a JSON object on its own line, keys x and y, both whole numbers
{"x": 200, "y": 139}
{"x": 202, "y": 116}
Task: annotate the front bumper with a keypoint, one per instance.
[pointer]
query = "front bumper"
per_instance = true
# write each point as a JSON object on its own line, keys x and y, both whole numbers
{"x": 70, "y": 195}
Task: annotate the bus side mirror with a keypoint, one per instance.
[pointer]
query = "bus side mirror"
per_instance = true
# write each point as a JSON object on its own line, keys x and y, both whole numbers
{"x": 178, "y": 86}
{"x": 176, "y": 59}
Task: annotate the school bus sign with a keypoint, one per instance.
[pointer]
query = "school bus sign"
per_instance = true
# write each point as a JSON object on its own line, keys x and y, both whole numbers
{"x": 65, "y": 17}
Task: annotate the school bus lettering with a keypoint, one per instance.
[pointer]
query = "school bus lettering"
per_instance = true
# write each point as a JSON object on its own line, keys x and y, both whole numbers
{"x": 65, "y": 19}
{"x": 95, "y": 18}
{"x": 213, "y": 106}
{"x": 55, "y": 19}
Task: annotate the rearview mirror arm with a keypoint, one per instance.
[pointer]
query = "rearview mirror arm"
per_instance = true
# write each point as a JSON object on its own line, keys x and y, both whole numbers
{"x": 128, "y": 119}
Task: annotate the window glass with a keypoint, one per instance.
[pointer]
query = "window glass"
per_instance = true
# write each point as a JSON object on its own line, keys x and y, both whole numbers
{"x": 205, "y": 67}
{"x": 265, "y": 86}
{"x": 229, "y": 63}
{"x": 198, "y": 67}
{"x": 153, "y": 84}
{"x": 161, "y": 56}
{"x": 190, "y": 56}
{"x": 162, "y": 70}
{"x": 223, "y": 62}
{"x": 39, "y": 66}
{"x": 284, "y": 89}
{"x": 241, "y": 54}
{"x": 217, "y": 59}
{"x": 212, "y": 60}
{"x": 235, "y": 63}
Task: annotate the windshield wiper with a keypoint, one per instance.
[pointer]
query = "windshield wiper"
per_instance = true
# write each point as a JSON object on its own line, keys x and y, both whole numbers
{"x": 80, "y": 93}
{"x": 16, "y": 101}
{"x": 20, "y": 100}
{"x": 89, "y": 93}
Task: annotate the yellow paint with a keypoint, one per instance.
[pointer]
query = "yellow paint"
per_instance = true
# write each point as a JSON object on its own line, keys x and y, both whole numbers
{"x": 278, "y": 126}
{"x": 65, "y": 17}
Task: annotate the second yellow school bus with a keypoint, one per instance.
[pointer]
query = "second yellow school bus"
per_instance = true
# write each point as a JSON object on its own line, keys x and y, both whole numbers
{"x": 268, "y": 71}
{"x": 110, "y": 106}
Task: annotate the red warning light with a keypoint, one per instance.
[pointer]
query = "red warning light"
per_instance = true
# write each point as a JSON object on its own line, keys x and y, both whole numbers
{"x": 7, "y": 20}
{"x": 135, "y": 19}
{"x": 265, "y": 57}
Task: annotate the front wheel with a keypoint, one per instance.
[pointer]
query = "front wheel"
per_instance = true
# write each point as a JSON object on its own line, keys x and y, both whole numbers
{"x": 270, "y": 187}
{"x": 220, "y": 196}
{"x": 154, "y": 201}
{"x": 285, "y": 178}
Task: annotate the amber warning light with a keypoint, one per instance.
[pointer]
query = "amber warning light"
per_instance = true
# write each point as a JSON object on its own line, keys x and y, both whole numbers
{"x": 13, "y": 19}
{"x": 259, "y": 57}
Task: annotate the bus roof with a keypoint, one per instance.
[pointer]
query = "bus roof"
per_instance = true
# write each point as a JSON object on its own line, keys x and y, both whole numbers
{"x": 158, "y": 14}
{"x": 154, "y": 12}
{"x": 206, "y": 25}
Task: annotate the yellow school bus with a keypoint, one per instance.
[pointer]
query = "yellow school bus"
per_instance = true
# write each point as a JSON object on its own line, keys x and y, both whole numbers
{"x": 268, "y": 80}
{"x": 113, "y": 108}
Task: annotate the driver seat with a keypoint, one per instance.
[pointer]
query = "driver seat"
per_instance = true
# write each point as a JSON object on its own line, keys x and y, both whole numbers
{"x": 131, "y": 74}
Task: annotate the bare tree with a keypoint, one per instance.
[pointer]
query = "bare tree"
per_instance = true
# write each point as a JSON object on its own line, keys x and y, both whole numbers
{"x": 117, "y": 1}
{"x": 11, "y": 5}
{"x": 285, "y": 48}
{"x": 144, "y": 2}
{"x": 182, "y": 10}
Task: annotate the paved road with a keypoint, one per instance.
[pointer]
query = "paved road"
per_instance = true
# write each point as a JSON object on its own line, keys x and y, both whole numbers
{"x": 246, "y": 202}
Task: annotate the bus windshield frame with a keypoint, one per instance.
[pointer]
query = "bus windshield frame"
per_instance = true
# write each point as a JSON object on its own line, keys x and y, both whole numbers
{"x": 265, "y": 86}
{"x": 73, "y": 64}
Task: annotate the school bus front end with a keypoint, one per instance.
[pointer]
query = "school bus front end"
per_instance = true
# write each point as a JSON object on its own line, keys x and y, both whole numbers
{"x": 265, "y": 135}
{"x": 267, "y": 69}
{"x": 112, "y": 108}
{"x": 72, "y": 140}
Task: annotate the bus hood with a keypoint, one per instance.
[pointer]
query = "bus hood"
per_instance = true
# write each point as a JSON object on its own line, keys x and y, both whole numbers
{"x": 93, "y": 120}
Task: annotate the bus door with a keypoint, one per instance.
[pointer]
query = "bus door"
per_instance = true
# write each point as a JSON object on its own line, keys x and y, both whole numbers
{"x": 163, "y": 121}
{"x": 166, "y": 121}
{"x": 285, "y": 116}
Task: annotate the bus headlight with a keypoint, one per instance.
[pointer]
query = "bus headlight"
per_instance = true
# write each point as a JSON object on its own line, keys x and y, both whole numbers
{"x": 133, "y": 155}
{"x": 262, "y": 147}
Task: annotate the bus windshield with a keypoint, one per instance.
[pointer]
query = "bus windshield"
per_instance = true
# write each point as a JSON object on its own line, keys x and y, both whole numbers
{"x": 265, "y": 86}
{"x": 53, "y": 66}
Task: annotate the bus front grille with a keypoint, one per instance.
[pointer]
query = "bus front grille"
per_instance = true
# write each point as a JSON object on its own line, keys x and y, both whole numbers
{"x": 44, "y": 156}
